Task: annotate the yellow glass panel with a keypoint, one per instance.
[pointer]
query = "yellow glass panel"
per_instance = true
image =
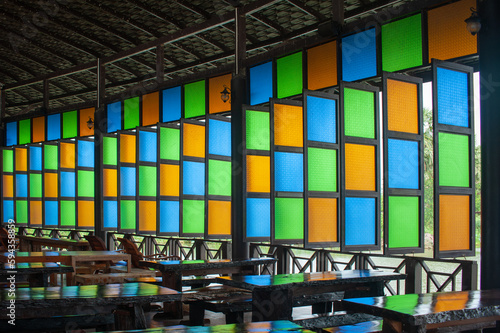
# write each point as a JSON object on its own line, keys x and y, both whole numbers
{"x": 169, "y": 180}
{"x": 8, "y": 186}
{"x": 322, "y": 223}
{"x": 127, "y": 148}
{"x": 322, "y": 66}
{"x": 150, "y": 109}
{"x": 50, "y": 185}
{"x": 38, "y": 129}
{"x": 21, "y": 159}
{"x": 35, "y": 213}
{"x": 258, "y": 174}
{"x": 454, "y": 222}
{"x": 67, "y": 155}
{"x": 86, "y": 213}
{"x": 147, "y": 215}
{"x": 215, "y": 86}
{"x": 359, "y": 167}
{"x": 448, "y": 37}
{"x": 85, "y": 115}
{"x": 288, "y": 125}
{"x": 193, "y": 137}
{"x": 402, "y": 106}
{"x": 219, "y": 217}
{"x": 110, "y": 183}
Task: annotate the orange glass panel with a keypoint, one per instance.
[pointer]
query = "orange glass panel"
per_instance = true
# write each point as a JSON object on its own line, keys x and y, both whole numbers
{"x": 21, "y": 159}
{"x": 35, "y": 213}
{"x": 147, "y": 215}
{"x": 450, "y": 301}
{"x": 454, "y": 222}
{"x": 127, "y": 148}
{"x": 85, "y": 213}
{"x": 110, "y": 187}
{"x": 169, "y": 180}
{"x": 402, "y": 106}
{"x": 288, "y": 125}
{"x": 50, "y": 185}
{"x": 8, "y": 186}
{"x": 85, "y": 115}
{"x": 359, "y": 167}
{"x": 215, "y": 86}
{"x": 322, "y": 66}
{"x": 219, "y": 217}
{"x": 448, "y": 37}
{"x": 258, "y": 174}
{"x": 150, "y": 109}
{"x": 38, "y": 124}
{"x": 193, "y": 137}
{"x": 322, "y": 221}
{"x": 67, "y": 155}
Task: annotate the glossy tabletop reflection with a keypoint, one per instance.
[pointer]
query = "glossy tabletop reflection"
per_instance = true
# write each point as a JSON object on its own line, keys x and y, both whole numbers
{"x": 56, "y": 256}
{"x": 34, "y": 267}
{"x": 176, "y": 265}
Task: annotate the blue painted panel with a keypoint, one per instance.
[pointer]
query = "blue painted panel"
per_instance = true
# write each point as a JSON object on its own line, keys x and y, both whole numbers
{"x": 85, "y": 154}
{"x": 219, "y": 137}
{"x": 452, "y": 97}
{"x": 169, "y": 216}
{"x": 360, "y": 221}
{"x": 67, "y": 184}
{"x": 8, "y": 210}
{"x": 51, "y": 213}
{"x": 171, "y": 108}
{"x": 288, "y": 172}
{"x": 21, "y": 186}
{"x": 359, "y": 56}
{"x": 147, "y": 146}
{"x": 261, "y": 83}
{"x": 11, "y": 134}
{"x": 258, "y": 217}
{"x": 114, "y": 116}
{"x": 403, "y": 164}
{"x": 127, "y": 181}
{"x": 321, "y": 119}
{"x": 36, "y": 158}
{"x": 110, "y": 214}
{"x": 193, "y": 178}
{"x": 53, "y": 127}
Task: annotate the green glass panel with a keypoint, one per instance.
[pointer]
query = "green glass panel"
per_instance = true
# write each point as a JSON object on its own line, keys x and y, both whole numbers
{"x": 131, "y": 113}
{"x": 21, "y": 211}
{"x": 257, "y": 130}
{"x": 70, "y": 124}
{"x": 85, "y": 183}
{"x": 403, "y": 222}
{"x": 147, "y": 181}
{"x": 289, "y": 75}
{"x": 68, "y": 213}
{"x": 359, "y": 113}
{"x": 170, "y": 143}
{"x": 322, "y": 169}
{"x": 219, "y": 177}
{"x": 453, "y": 160}
{"x": 24, "y": 131}
{"x": 50, "y": 157}
{"x": 402, "y": 44}
{"x": 109, "y": 151}
{"x": 35, "y": 185}
{"x": 194, "y": 99}
{"x": 127, "y": 214}
{"x": 289, "y": 218}
{"x": 193, "y": 216}
{"x": 8, "y": 161}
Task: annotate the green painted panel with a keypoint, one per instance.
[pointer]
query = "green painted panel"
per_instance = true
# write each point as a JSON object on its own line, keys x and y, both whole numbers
{"x": 8, "y": 161}
{"x": 403, "y": 222}
{"x": 453, "y": 160}
{"x": 131, "y": 113}
{"x": 147, "y": 181}
{"x": 21, "y": 211}
{"x": 35, "y": 185}
{"x": 50, "y": 157}
{"x": 170, "y": 143}
{"x": 322, "y": 169}
{"x": 193, "y": 216}
{"x": 289, "y": 75}
{"x": 109, "y": 151}
{"x": 219, "y": 177}
{"x": 70, "y": 124}
{"x": 257, "y": 130}
{"x": 359, "y": 113}
{"x": 289, "y": 218}
{"x": 24, "y": 131}
{"x": 127, "y": 214}
{"x": 85, "y": 183}
{"x": 194, "y": 99}
{"x": 68, "y": 213}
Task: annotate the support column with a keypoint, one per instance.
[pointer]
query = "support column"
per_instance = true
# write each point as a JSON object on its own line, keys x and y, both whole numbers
{"x": 489, "y": 49}
{"x": 99, "y": 129}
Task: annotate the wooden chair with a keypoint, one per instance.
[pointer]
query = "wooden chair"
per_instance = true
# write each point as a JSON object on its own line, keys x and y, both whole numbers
{"x": 130, "y": 248}
{"x": 4, "y": 239}
{"x": 96, "y": 243}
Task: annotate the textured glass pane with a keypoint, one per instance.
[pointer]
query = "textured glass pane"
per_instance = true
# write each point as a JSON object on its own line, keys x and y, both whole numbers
{"x": 172, "y": 104}
{"x": 321, "y": 119}
{"x": 359, "y": 56}
{"x": 289, "y": 218}
{"x": 194, "y": 99}
{"x": 147, "y": 181}
{"x": 257, "y": 130}
{"x": 219, "y": 137}
{"x": 360, "y": 167}
{"x": 288, "y": 125}
{"x": 359, "y": 113}
{"x": 38, "y": 129}
{"x": 402, "y": 106}
{"x": 24, "y": 131}
{"x": 86, "y": 154}
{"x": 21, "y": 159}
{"x": 258, "y": 175}
{"x": 454, "y": 222}
{"x": 85, "y": 183}
{"x": 169, "y": 143}
{"x": 114, "y": 117}
{"x": 86, "y": 214}
{"x": 403, "y": 222}
{"x": 67, "y": 155}
{"x": 127, "y": 148}
{"x": 51, "y": 185}
{"x": 36, "y": 217}
{"x": 219, "y": 177}
{"x": 258, "y": 217}
{"x": 150, "y": 108}
{"x": 50, "y": 157}
{"x": 169, "y": 216}
{"x": 70, "y": 124}
{"x": 452, "y": 97}
{"x": 21, "y": 186}
{"x": 147, "y": 146}
{"x": 109, "y": 151}
{"x": 360, "y": 221}
{"x": 261, "y": 83}
{"x": 403, "y": 164}
{"x": 147, "y": 216}
{"x": 11, "y": 134}
{"x": 193, "y": 138}
{"x": 131, "y": 113}
{"x": 35, "y": 185}
{"x": 110, "y": 214}
{"x": 193, "y": 216}
{"x": 288, "y": 172}
{"x": 127, "y": 181}
{"x": 35, "y": 158}
{"x": 127, "y": 214}
{"x": 53, "y": 127}
{"x": 322, "y": 169}
{"x": 322, "y": 66}
{"x": 8, "y": 161}
{"x": 8, "y": 186}
{"x": 67, "y": 184}
{"x": 219, "y": 217}
{"x": 193, "y": 178}
{"x": 453, "y": 160}
{"x": 216, "y": 86}
{"x": 85, "y": 116}
{"x": 8, "y": 210}
{"x": 169, "y": 180}
{"x": 68, "y": 213}
{"x": 289, "y": 75}
{"x": 51, "y": 213}
{"x": 322, "y": 223}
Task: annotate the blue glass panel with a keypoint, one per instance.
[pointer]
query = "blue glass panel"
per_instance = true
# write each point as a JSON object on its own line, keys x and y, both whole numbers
{"x": 171, "y": 104}
{"x": 258, "y": 217}
{"x": 114, "y": 117}
{"x": 403, "y": 164}
{"x": 110, "y": 214}
{"x": 127, "y": 181}
{"x": 452, "y": 97}
{"x": 288, "y": 172}
{"x": 53, "y": 127}
{"x": 51, "y": 213}
{"x": 36, "y": 158}
{"x": 261, "y": 83}
{"x": 8, "y": 210}
{"x": 169, "y": 216}
{"x": 147, "y": 146}
{"x": 11, "y": 134}
{"x": 219, "y": 137}
{"x": 321, "y": 119}
{"x": 21, "y": 186}
{"x": 359, "y": 221}
{"x": 67, "y": 184}
{"x": 85, "y": 154}
{"x": 359, "y": 56}
{"x": 193, "y": 179}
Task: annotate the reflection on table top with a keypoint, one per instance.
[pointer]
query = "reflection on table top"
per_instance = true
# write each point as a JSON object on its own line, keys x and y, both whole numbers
{"x": 53, "y": 240}
{"x": 35, "y": 267}
{"x": 18, "y": 254}
{"x": 174, "y": 265}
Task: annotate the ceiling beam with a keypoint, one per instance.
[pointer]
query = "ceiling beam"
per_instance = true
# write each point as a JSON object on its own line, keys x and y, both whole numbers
{"x": 271, "y": 24}
{"x": 155, "y": 13}
{"x": 307, "y": 9}
{"x": 195, "y": 9}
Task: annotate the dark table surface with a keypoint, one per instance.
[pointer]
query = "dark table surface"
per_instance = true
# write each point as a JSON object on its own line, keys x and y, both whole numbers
{"x": 34, "y": 268}
{"x": 179, "y": 265}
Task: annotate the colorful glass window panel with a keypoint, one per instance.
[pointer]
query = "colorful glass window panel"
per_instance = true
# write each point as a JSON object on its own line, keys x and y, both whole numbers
{"x": 322, "y": 66}
{"x": 50, "y": 182}
{"x": 359, "y": 167}
{"x": 289, "y": 75}
{"x": 219, "y": 137}
{"x": 321, "y": 169}
{"x": 169, "y": 180}
{"x": 322, "y": 220}
{"x": 454, "y": 162}
{"x": 51, "y": 157}
{"x": 321, "y": 119}
{"x": 35, "y": 158}
{"x": 36, "y": 213}
{"x": 21, "y": 185}
{"x": 170, "y": 143}
{"x": 171, "y": 104}
{"x": 258, "y": 221}
{"x": 219, "y": 177}
{"x": 194, "y": 178}
{"x": 70, "y": 124}
{"x": 110, "y": 214}
{"x": 193, "y": 216}
{"x": 288, "y": 125}
{"x": 402, "y": 106}
{"x": 452, "y": 97}
{"x": 86, "y": 183}
{"x": 454, "y": 222}
{"x": 359, "y": 56}
{"x": 109, "y": 151}
{"x": 11, "y": 134}
{"x": 402, "y": 44}
{"x": 194, "y": 99}
{"x": 36, "y": 185}
{"x": 86, "y": 214}
{"x": 109, "y": 188}
{"x": 169, "y": 216}
{"x": 127, "y": 214}
{"x": 8, "y": 161}
{"x": 147, "y": 216}
{"x": 150, "y": 109}
{"x": 258, "y": 174}
{"x": 53, "y": 127}
{"x": 24, "y": 131}
{"x": 8, "y": 186}
{"x": 21, "y": 157}
{"x": 360, "y": 221}
{"x": 67, "y": 155}
{"x": 8, "y": 210}
{"x": 68, "y": 213}
{"x": 147, "y": 181}
{"x": 403, "y": 223}
{"x": 21, "y": 211}
{"x": 289, "y": 218}
{"x": 86, "y": 154}
{"x": 216, "y": 86}
{"x": 403, "y": 165}
{"x": 194, "y": 140}
{"x": 38, "y": 129}
{"x": 131, "y": 114}
{"x": 127, "y": 148}
{"x": 85, "y": 116}
{"x": 288, "y": 172}
{"x": 261, "y": 83}
{"x": 359, "y": 113}
{"x": 51, "y": 213}
{"x": 147, "y": 146}
{"x": 257, "y": 130}
{"x": 219, "y": 217}
{"x": 127, "y": 181}
{"x": 114, "y": 115}
{"x": 67, "y": 184}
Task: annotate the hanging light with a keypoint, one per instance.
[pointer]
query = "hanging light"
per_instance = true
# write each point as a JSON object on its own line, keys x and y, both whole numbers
{"x": 90, "y": 123}
{"x": 225, "y": 94}
{"x": 473, "y": 22}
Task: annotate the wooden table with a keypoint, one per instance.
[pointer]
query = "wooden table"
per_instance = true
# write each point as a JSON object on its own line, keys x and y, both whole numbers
{"x": 273, "y": 295}
{"x": 37, "y": 273}
{"x": 34, "y": 243}
{"x": 459, "y": 310}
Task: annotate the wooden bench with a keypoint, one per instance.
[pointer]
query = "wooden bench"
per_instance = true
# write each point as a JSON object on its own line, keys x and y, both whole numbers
{"x": 108, "y": 278}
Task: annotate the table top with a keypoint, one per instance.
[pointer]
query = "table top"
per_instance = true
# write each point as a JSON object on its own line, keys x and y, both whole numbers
{"x": 285, "y": 281}
{"x": 431, "y": 308}
{"x": 54, "y": 240}
{"x": 180, "y": 265}
{"x": 34, "y": 267}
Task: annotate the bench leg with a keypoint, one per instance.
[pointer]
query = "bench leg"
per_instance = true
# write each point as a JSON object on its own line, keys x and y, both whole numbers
{"x": 234, "y": 317}
{"x": 196, "y": 314}
{"x": 323, "y": 307}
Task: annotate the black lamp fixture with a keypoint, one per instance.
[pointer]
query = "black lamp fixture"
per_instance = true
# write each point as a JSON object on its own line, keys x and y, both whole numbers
{"x": 473, "y": 22}
{"x": 225, "y": 94}
{"x": 90, "y": 123}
